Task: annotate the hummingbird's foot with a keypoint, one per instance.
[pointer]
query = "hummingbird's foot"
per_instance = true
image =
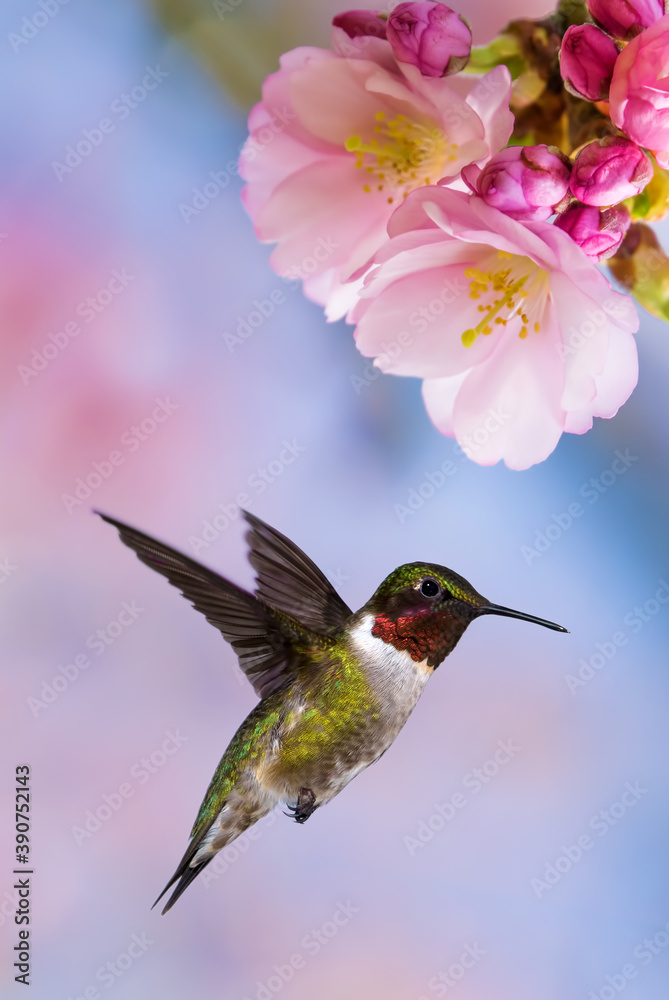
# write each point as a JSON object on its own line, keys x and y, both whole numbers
{"x": 304, "y": 807}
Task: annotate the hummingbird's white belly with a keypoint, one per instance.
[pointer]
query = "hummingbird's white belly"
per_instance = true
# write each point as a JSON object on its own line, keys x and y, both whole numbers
{"x": 396, "y": 678}
{"x": 397, "y": 681}
{"x": 391, "y": 671}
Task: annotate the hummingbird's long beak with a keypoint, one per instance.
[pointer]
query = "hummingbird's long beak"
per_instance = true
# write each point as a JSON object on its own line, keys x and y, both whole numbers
{"x": 497, "y": 609}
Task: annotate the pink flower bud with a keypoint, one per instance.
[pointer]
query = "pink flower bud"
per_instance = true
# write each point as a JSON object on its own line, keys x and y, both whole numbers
{"x": 587, "y": 58}
{"x": 639, "y": 102}
{"x": 626, "y": 18}
{"x": 430, "y": 36}
{"x": 597, "y": 233}
{"x": 523, "y": 182}
{"x": 358, "y": 23}
{"x": 609, "y": 170}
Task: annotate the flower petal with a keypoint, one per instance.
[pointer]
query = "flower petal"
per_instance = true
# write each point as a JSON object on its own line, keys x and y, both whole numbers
{"x": 490, "y": 98}
{"x": 439, "y": 395}
{"x": 309, "y": 225}
{"x": 425, "y": 314}
{"x": 509, "y": 406}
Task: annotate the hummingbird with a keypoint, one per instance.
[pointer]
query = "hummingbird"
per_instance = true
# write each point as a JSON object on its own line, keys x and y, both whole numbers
{"x": 335, "y": 687}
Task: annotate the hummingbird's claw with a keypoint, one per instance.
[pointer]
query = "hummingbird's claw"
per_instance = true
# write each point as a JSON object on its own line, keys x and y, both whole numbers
{"x": 303, "y": 808}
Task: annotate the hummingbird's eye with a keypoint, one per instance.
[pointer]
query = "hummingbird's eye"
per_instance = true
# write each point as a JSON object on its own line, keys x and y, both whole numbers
{"x": 429, "y": 588}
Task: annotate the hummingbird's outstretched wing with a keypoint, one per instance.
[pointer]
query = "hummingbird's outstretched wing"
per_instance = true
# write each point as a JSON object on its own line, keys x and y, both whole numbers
{"x": 287, "y": 579}
{"x": 262, "y": 638}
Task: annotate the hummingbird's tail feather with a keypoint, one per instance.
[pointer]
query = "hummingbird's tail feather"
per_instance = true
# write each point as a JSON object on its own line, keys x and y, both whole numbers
{"x": 184, "y": 878}
{"x": 262, "y": 638}
{"x": 225, "y": 814}
{"x": 186, "y": 871}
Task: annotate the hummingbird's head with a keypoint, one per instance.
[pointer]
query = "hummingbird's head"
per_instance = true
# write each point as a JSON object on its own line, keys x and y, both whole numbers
{"x": 425, "y": 609}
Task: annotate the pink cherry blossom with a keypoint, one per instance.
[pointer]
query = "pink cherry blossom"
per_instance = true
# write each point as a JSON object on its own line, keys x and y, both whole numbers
{"x": 639, "y": 92}
{"x": 338, "y": 140}
{"x": 517, "y": 334}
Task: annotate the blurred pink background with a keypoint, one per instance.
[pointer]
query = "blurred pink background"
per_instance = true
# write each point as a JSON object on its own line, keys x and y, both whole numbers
{"x": 153, "y": 340}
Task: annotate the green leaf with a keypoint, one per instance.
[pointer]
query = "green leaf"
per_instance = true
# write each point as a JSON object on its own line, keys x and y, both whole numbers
{"x": 505, "y": 50}
{"x": 642, "y": 267}
{"x": 652, "y": 204}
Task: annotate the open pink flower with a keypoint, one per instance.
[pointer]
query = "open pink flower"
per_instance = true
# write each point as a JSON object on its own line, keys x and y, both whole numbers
{"x": 338, "y": 140}
{"x": 639, "y": 92}
{"x": 517, "y": 334}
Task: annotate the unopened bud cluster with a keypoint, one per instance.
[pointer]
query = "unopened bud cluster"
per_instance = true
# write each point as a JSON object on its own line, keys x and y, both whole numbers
{"x": 623, "y": 58}
{"x": 535, "y": 182}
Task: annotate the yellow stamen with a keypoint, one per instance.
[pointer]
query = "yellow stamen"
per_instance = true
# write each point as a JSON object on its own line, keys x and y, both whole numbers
{"x": 505, "y": 287}
{"x": 409, "y": 153}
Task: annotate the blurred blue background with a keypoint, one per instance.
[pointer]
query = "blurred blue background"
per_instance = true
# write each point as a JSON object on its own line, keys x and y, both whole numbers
{"x": 192, "y": 420}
